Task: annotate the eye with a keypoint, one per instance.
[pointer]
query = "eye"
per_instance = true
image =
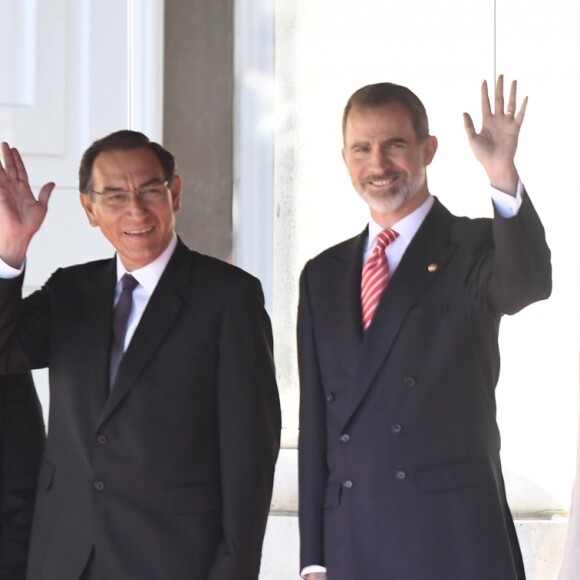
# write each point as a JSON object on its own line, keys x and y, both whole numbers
{"x": 155, "y": 190}
{"x": 116, "y": 197}
{"x": 152, "y": 190}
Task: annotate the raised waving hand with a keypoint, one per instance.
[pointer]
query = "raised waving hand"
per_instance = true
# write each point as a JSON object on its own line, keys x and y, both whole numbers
{"x": 496, "y": 144}
{"x": 21, "y": 213}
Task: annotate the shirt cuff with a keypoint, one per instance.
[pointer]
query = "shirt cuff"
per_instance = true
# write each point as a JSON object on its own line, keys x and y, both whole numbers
{"x": 8, "y": 272}
{"x": 507, "y": 206}
{"x": 312, "y": 570}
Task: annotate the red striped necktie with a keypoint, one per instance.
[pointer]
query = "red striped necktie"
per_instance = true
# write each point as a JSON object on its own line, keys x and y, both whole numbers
{"x": 375, "y": 276}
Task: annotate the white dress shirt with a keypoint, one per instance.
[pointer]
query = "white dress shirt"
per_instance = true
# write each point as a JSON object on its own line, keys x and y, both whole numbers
{"x": 148, "y": 276}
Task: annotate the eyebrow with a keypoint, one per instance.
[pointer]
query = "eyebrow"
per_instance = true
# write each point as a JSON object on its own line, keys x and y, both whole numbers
{"x": 394, "y": 141}
{"x": 152, "y": 181}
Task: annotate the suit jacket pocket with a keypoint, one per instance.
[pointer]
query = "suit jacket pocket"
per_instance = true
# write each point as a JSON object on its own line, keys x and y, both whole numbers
{"x": 45, "y": 475}
{"x": 453, "y": 475}
{"x": 191, "y": 498}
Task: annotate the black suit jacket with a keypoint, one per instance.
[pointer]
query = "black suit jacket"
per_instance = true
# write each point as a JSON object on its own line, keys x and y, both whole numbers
{"x": 171, "y": 475}
{"x": 400, "y": 472}
{"x": 21, "y": 446}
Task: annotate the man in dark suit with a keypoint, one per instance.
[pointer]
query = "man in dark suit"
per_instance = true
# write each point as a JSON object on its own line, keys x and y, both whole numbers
{"x": 21, "y": 446}
{"x": 159, "y": 466}
{"x": 400, "y": 473}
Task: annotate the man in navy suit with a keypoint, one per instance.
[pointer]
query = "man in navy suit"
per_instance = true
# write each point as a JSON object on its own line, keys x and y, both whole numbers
{"x": 400, "y": 474}
{"x": 161, "y": 466}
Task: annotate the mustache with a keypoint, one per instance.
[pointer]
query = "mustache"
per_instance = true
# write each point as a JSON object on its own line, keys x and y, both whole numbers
{"x": 387, "y": 175}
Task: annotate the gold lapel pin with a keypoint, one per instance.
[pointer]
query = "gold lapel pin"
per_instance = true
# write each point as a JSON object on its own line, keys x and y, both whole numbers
{"x": 432, "y": 267}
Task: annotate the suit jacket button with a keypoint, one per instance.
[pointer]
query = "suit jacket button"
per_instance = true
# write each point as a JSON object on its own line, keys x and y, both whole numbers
{"x": 396, "y": 429}
{"x": 409, "y": 381}
{"x": 98, "y": 485}
{"x": 347, "y": 483}
{"x": 330, "y": 397}
{"x": 400, "y": 475}
{"x": 102, "y": 438}
{"x": 345, "y": 437}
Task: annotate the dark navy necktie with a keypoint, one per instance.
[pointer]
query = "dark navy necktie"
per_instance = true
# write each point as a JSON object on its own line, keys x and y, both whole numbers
{"x": 120, "y": 320}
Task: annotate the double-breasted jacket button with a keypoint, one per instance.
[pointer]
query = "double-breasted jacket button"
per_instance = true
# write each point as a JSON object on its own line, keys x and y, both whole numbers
{"x": 396, "y": 429}
{"x": 409, "y": 381}
{"x": 345, "y": 437}
{"x": 329, "y": 397}
{"x": 102, "y": 439}
{"x": 348, "y": 483}
{"x": 99, "y": 485}
{"x": 400, "y": 475}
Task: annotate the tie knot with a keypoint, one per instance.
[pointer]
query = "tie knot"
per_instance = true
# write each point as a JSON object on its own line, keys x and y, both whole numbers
{"x": 384, "y": 239}
{"x": 128, "y": 282}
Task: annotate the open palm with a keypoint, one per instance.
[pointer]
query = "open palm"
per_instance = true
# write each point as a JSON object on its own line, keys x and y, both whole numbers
{"x": 21, "y": 213}
{"x": 496, "y": 144}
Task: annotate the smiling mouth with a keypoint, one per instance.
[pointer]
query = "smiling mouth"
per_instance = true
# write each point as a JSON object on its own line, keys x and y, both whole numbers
{"x": 141, "y": 232}
{"x": 383, "y": 181}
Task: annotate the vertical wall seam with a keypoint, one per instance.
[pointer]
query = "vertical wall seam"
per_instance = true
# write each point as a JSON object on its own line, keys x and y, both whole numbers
{"x": 494, "y": 41}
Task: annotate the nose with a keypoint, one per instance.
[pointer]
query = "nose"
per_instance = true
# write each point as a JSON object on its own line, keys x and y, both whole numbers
{"x": 379, "y": 161}
{"x": 136, "y": 205}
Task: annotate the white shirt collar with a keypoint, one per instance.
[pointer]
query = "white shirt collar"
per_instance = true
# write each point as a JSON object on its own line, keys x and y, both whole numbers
{"x": 148, "y": 276}
{"x": 406, "y": 227}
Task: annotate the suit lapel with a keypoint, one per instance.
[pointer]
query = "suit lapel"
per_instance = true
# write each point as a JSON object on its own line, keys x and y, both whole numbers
{"x": 422, "y": 263}
{"x": 343, "y": 301}
{"x": 98, "y": 305}
{"x": 158, "y": 317}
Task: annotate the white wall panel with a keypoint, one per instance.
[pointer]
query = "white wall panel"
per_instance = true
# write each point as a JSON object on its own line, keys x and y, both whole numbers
{"x": 18, "y": 50}
{"x": 36, "y": 120}
{"x": 146, "y": 49}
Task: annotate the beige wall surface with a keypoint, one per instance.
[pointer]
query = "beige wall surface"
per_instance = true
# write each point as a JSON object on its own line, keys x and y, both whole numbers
{"x": 198, "y": 110}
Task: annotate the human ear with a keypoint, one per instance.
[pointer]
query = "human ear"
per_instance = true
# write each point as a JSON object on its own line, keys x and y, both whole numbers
{"x": 88, "y": 205}
{"x": 429, "y": 148}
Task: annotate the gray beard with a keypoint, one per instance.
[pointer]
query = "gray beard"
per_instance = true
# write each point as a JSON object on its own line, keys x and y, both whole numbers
{"x": 392, "y": 201}
{"x": 387, "y": 202}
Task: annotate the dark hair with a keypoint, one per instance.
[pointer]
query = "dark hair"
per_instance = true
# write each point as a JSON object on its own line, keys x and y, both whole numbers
{"x": 124, "y": 140}
{"x": 380, "y": 94}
